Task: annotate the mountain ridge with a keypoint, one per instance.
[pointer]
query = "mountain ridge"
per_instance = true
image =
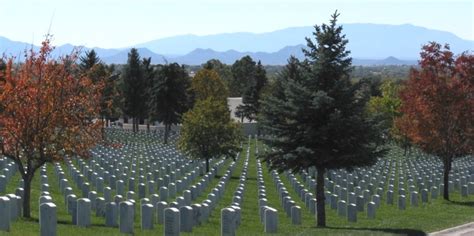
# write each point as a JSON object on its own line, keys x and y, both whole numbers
{"x": 368, "y": 42}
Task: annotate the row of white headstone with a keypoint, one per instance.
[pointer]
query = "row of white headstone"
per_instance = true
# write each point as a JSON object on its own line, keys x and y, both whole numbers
{"x": 231, "y": 216}
{"x": 268, "y": 215}
{"x": 10, "y": 210}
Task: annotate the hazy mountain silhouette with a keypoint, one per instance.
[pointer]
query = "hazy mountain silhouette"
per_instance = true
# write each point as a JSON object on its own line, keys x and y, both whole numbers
{"x": 372, "y": 41}
{"x": 370, "y": 44}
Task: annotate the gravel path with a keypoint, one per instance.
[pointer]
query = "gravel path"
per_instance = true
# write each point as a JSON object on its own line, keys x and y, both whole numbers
{"x": 462, "y": 230}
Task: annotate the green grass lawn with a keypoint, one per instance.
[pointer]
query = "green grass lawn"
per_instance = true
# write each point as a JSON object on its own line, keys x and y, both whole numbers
{"x": 434, "y": 216}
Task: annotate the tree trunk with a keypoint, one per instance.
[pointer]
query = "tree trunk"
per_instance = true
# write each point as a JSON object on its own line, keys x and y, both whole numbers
{"x": 320, "y": 205}
{"x": 27, "y": 195}
{"x": 135, "y": 122}
{"x": 207, "y": 164}
{"x": 447, "y": 169}
{"x": 147, "y": 126}
{"x": 167, "y": 131}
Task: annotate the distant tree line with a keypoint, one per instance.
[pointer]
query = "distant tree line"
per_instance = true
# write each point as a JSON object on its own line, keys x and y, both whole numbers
{"x": 141, "y": 91}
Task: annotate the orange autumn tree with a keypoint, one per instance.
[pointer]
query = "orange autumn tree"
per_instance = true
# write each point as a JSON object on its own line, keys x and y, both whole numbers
{"x": 438, "y": 106}
{"x": 47, "y": 113}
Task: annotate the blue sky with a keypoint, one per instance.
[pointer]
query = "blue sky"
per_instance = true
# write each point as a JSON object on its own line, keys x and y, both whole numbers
{"x": 121, "y": 23}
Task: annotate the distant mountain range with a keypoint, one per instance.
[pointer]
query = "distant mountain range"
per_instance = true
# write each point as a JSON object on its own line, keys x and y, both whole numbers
{"x": 370, "y": 44}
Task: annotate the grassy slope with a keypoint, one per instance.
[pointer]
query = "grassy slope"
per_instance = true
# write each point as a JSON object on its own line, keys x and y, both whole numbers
{"x": 436, "y": 215}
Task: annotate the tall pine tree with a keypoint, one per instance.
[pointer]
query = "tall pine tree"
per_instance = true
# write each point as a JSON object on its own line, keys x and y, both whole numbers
{"x": 251, "y": 97}
{"x": 89, "y": 60}
{"x": 169, "y": 96}
{"x": 243, "y": 72}
{"x": 134, "y": 88}
{"x": 148, "y": 79}
{"x": 317, "y": 118}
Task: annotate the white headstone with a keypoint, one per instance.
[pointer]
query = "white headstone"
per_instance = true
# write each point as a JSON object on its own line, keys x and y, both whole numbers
{"x": 126, "y": 211}
{"x": 111, "y": 214}
{"x": 352, "y": 213}
{"x": 83, "y": 212}
{"x": 147, "y": 216}
{"x": 171, "y": 222}
{"x": 271, "y": 220}
{"x": 160, "y": 208}
{"x": 228, "y": 217}
{"x": 48, "y": 219}
{"x": 371, "y": 206}
{"x": 5, "y": 214}
{"x": 296, "y": 215}
{"x": 186, "y": 215}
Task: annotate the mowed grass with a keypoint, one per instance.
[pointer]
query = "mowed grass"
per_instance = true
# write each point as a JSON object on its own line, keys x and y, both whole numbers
{"x": 434, "y": 216}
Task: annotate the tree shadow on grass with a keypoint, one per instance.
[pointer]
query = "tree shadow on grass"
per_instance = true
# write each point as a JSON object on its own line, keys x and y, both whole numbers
{"x": 251, "y": 179}
{"x": 469, "y": 204}
{"x": 63, "y": 222}
{"x": 408, "y": 232}
{"x": 232, "y": 177}
{"x": 31, "y": 219}
{"x": 67, "y": 222}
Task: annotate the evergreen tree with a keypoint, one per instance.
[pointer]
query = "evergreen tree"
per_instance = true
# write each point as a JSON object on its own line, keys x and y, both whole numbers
{"x": 89, "y": 60}
{"x": 148, "y": 77}
{"x": 243, "y": 72}
{"x": 317, "y": 118}
{"x": 293, "y": 71}
{"x": 91, "y": 66}
{"x": 169, "y": 96}
{"x": 251, "y": 96}
{"x": 133, "y": 88}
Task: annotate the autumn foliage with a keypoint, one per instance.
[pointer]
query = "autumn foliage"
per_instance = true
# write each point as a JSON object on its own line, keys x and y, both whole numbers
{"x": 48, "y": 111}
{"x": 438, "y": 105}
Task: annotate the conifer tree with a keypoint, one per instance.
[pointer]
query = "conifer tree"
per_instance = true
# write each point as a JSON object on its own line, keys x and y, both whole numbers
{"x": 169, "y": 96}
{"x": 251, "y": 97}
{"x": 89, "y": 60}
{"x": 317, "y": 117}
{"x": 133, "y": 88}
{"x": 148, "y": 79}
{"x": 243, "y": 72}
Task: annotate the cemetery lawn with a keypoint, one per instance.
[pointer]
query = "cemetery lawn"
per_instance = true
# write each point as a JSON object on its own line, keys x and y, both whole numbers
{"x": 436, "y": 215}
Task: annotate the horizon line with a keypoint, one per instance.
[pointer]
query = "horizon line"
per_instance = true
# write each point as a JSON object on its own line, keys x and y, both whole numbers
{"x": 223, "y": 33}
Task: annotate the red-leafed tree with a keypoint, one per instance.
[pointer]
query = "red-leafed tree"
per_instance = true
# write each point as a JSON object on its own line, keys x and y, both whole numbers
{"x": 47, "y": 113}
{"x": 438, "y": 106}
